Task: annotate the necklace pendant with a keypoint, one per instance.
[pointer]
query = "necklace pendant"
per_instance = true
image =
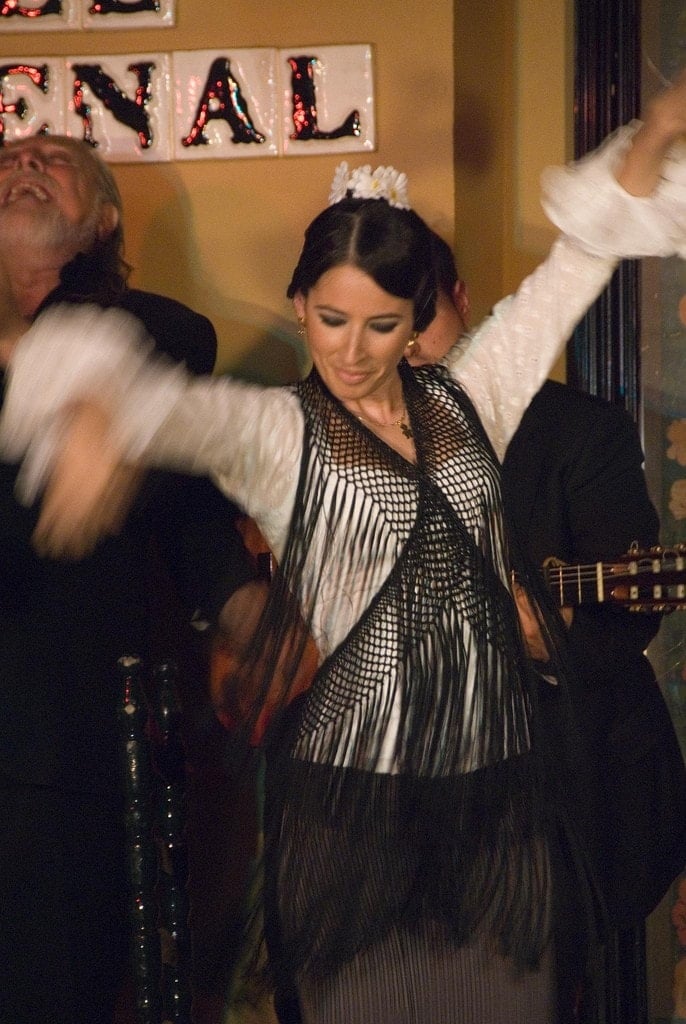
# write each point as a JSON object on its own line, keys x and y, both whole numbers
{"x": 406, "y": 429}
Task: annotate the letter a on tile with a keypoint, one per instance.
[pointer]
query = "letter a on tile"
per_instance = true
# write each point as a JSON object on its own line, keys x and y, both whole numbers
{"x": 222, "y": 98}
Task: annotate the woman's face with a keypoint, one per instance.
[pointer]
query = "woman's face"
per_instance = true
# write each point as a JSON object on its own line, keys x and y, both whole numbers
{"x": 356, "y": 332}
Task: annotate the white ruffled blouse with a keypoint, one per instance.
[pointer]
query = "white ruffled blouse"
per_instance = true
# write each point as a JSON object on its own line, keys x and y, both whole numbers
{"x": 249, "y": 438}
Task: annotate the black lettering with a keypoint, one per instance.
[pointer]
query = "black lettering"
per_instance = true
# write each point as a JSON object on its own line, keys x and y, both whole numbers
{"x": 119, "y": 7}
{"x": 222, "y": 99}
{"x": 10, "y": 8}
{"x": 130, "y": 112}
{"x": 305, "y": 105}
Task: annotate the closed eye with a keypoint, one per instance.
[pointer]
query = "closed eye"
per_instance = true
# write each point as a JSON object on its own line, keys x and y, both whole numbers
{"x": 332, "y": 320}
{"x": 384, "y": 326}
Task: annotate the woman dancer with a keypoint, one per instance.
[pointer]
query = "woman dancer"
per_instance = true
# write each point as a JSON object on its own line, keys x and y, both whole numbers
{"x": 418, "y": 855}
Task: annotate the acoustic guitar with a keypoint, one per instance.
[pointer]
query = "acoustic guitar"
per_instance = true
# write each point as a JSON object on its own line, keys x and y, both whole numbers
{"x": 642, "y": 580}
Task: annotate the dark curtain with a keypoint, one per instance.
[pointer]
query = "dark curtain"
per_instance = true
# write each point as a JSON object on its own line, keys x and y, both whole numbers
{"x": 604, "y": 353}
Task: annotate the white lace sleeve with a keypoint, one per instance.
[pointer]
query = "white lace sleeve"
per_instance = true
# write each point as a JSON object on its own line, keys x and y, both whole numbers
{"x": 587, "y": 203}
{"x": 504, "y": 363}
{"x": 249, "y": 438}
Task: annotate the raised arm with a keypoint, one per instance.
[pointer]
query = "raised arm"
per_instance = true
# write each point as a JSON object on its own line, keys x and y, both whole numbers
{"x": 506, "y": 361}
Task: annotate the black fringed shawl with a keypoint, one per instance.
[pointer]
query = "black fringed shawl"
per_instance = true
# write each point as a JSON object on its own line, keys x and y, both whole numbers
{"x": 404, "y": 783}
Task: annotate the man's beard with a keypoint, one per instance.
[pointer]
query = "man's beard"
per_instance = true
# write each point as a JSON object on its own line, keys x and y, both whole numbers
{"x": 45, "y": 233}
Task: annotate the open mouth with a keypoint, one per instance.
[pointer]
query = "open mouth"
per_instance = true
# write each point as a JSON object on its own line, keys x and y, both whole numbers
{"x": 25, "y": 189}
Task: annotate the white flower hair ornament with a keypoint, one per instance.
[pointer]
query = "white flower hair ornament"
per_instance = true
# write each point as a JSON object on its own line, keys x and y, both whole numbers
{"x": 364, "y": 183}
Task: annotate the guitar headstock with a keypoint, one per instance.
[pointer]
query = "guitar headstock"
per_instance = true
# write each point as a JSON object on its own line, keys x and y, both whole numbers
{"x": 642, "y": 580}
{"x": 650, "y": 579}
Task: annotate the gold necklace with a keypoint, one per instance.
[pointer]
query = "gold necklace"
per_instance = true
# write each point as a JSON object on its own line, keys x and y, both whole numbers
{"x": 400, "y": 422}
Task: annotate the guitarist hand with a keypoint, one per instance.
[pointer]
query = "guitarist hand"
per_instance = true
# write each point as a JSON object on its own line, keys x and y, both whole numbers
{"x": 529, "y": 621}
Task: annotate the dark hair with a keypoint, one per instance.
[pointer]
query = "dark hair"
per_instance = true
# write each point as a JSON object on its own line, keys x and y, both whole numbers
{"x": 443, "y": 261}
{"x": 392, "y": 245}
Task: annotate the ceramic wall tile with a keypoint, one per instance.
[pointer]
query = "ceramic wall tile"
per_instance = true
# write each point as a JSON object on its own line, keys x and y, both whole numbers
{"x": 327, "y": 99}
{"x": 225, "y": 104}
{"x": 127, "y": 14}
{"x": 31, "y": 96}
{"x": 122, "y": 104}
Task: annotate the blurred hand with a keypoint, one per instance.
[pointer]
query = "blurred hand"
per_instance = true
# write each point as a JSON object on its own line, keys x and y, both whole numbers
{"x": 663, "y": 124}
{"x": 667, "y": 111}
{"x": 90, "y": 489}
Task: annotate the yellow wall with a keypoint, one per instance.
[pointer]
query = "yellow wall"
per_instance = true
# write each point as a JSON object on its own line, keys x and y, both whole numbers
{"x": 487, "y": 87}
{"x": 513, "y": 116}
{"x": 484, "y": 83}
{"x": 223, "y": 236}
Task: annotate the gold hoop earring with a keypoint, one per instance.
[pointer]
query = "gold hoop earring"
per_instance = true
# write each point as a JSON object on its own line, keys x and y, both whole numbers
{"x": 301, "y": 326}
{"x": 413, "y": 342}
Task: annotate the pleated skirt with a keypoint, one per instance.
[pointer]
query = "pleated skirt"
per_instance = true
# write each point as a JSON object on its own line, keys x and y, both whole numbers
{"x": 421, "y": 977}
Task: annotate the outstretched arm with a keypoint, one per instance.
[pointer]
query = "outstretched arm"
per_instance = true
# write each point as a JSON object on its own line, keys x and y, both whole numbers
{"x": 80, "y": 365}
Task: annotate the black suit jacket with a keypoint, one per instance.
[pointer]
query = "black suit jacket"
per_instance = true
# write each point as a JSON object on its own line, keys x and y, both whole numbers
{"x": 574, "y": 488}
{"x": 64, "y": 624}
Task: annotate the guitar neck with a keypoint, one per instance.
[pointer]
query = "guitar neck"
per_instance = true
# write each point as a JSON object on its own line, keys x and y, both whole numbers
{"x": 579, "y": 584}
{"x": 651, "y": 580}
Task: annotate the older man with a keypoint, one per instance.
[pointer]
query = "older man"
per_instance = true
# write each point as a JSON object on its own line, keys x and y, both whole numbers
{"x": 63, "y": 625}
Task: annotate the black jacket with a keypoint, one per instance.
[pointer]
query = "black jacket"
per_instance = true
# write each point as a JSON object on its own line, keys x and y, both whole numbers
{"x": 574, "y": 488}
